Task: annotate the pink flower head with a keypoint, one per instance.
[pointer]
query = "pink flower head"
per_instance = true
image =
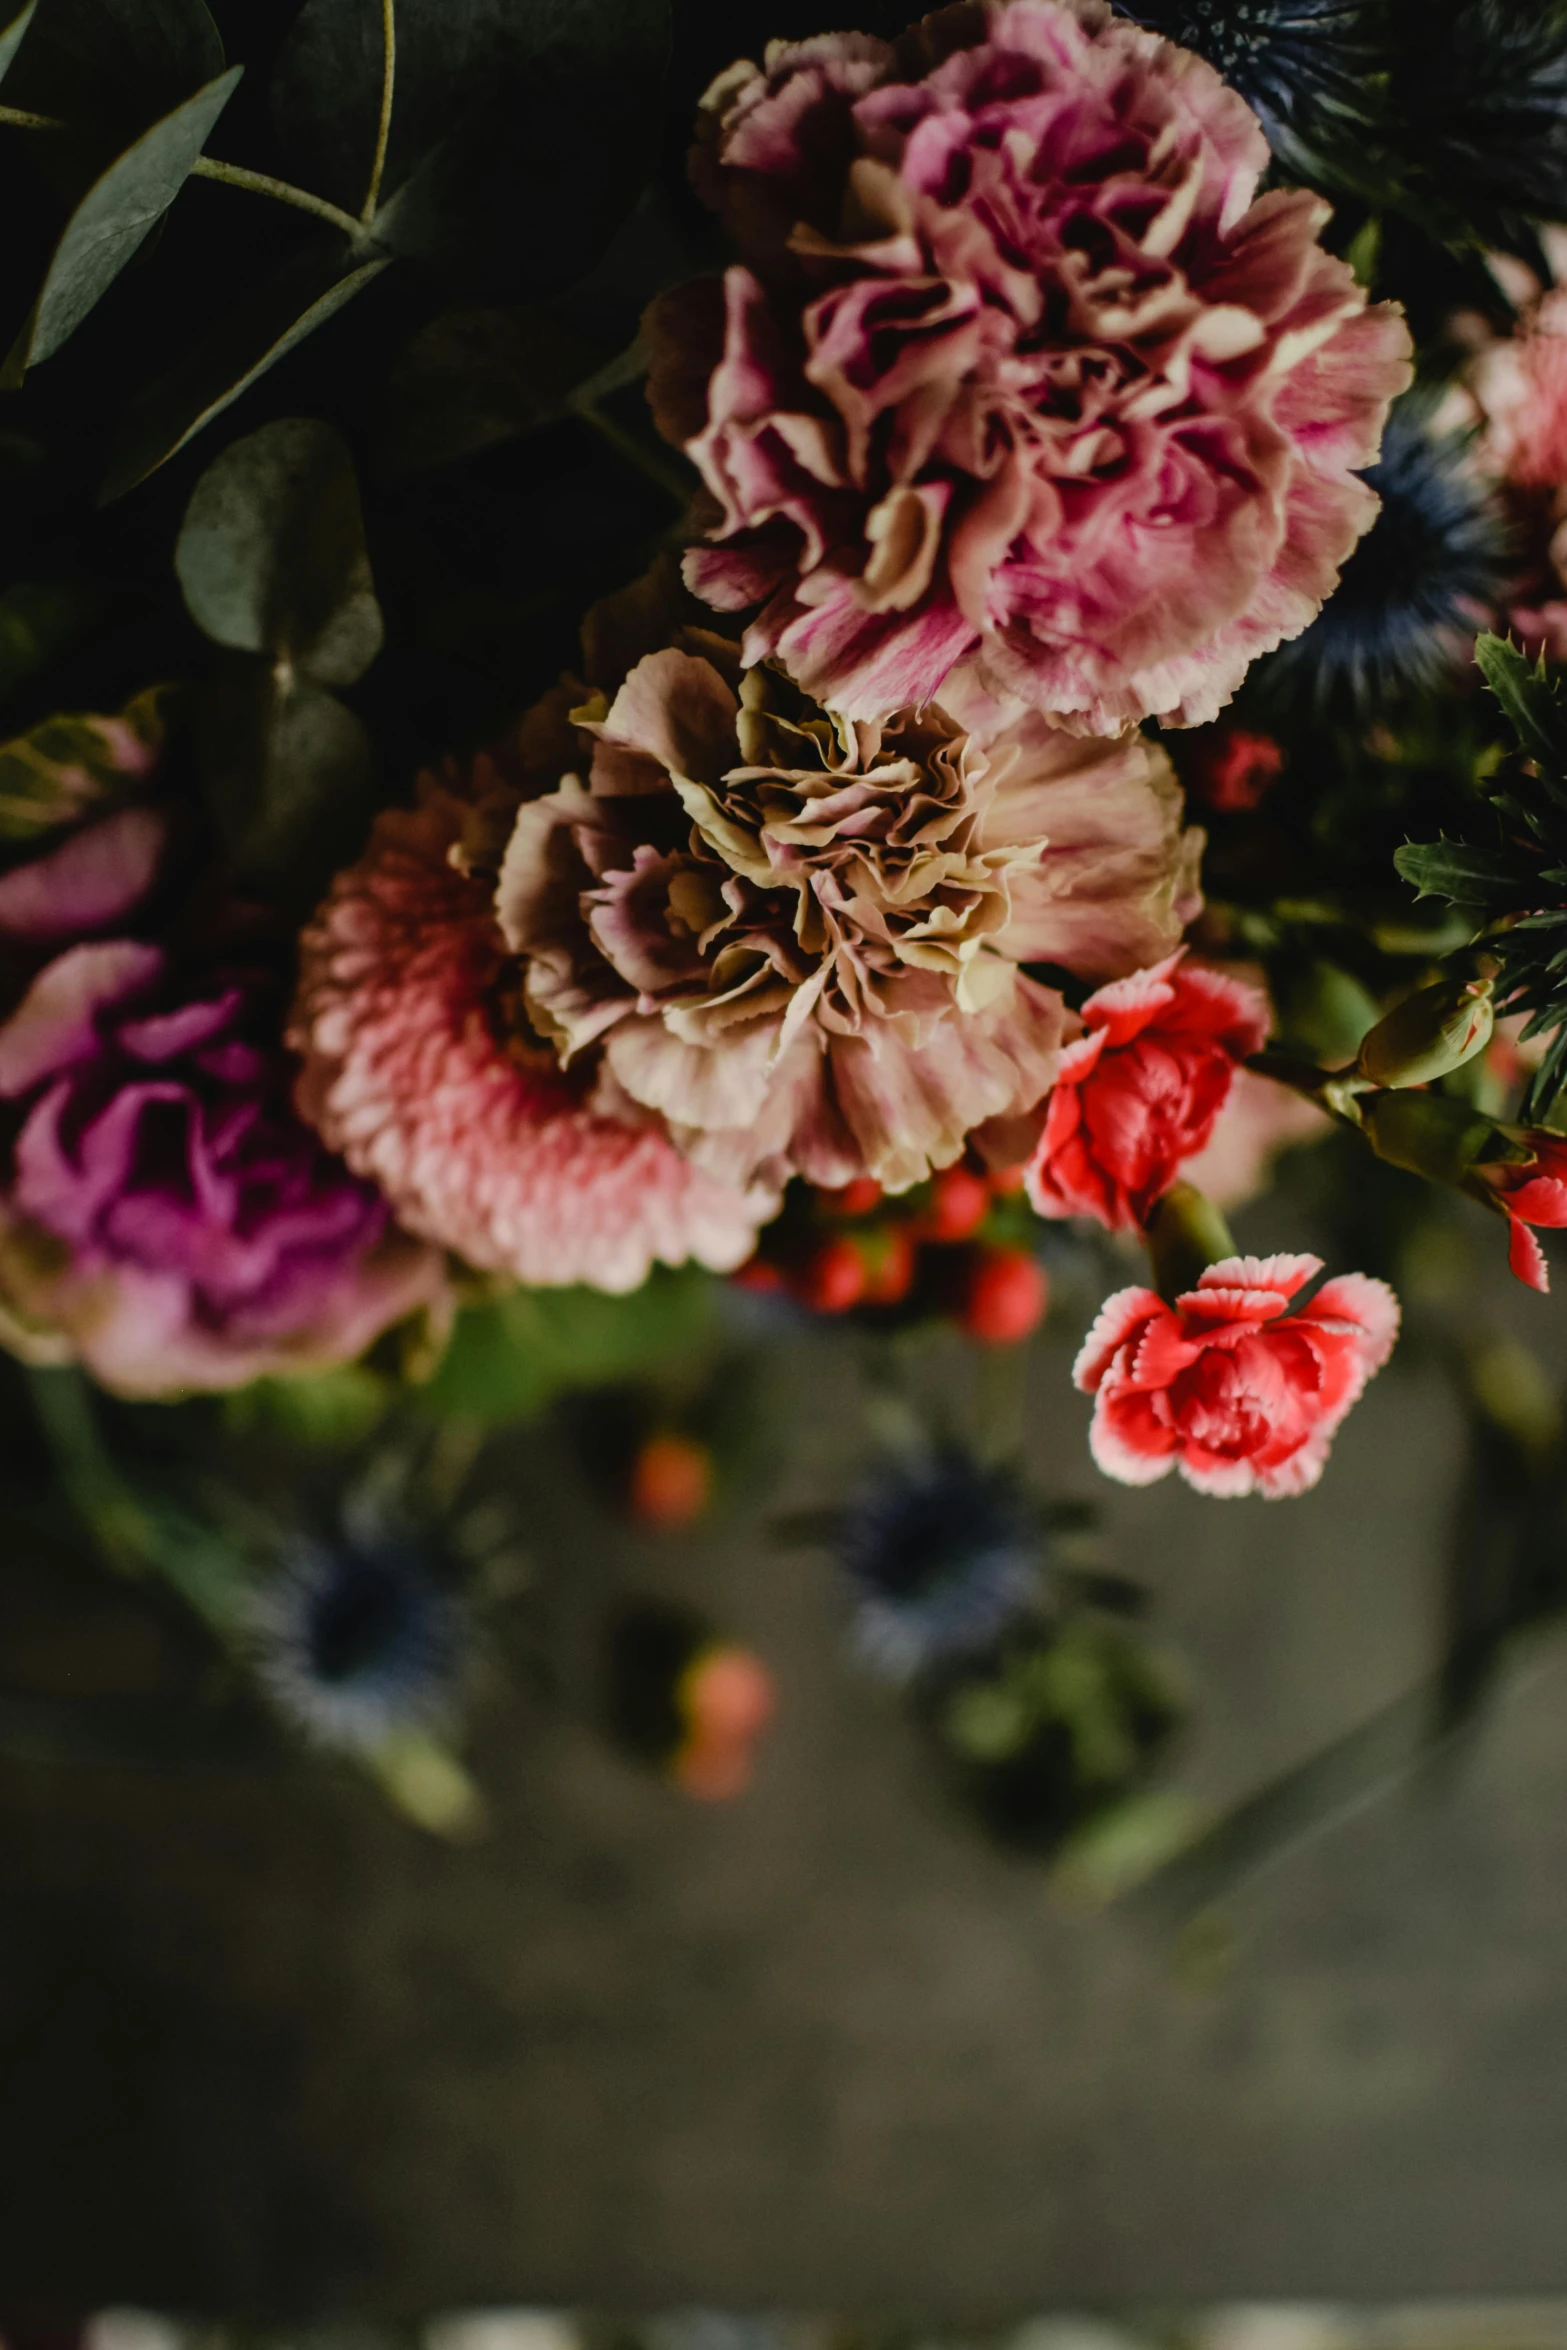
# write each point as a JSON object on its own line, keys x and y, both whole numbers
{"x": 165, "y": 1218}
{"x": 1233, "y": 1385}
{"x": 1140, "y": 1091}
{"x": 420, "y": 1067}
{"x": 1016, "y": 376}
{"x": 1528, "y": 1194}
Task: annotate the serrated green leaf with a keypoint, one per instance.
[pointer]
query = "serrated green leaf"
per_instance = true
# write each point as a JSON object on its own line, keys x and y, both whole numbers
{"x": 287, "y": 773}
{"x": 273, "y": 320}
{"x": 271, "y": 554}
{"x": 111, "y": 221}
{"x": 1488, "y": 878}
{"x": 1530, "y": 697}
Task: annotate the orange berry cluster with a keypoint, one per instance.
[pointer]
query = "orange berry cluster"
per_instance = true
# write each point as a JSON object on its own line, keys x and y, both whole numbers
{"x": 956, "y": 1246}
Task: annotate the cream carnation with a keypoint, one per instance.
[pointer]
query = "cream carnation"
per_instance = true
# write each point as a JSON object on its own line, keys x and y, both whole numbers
{"x": 797, "y": 938}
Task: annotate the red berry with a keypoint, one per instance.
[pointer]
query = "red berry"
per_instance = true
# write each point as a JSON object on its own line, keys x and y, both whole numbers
{"x": 959, "y": 1204}
{"x": 858, "y": 1198}
{"x": 1006, "y": 1297}
{"x": 1007, "y": 1182}
{"x": 760, "y": 1275}
{"x": 727, "y": 1697}
{"x": 890, "y": 1273}
{"x": 671, "y": 1480}
{"x": 832, "y": 1278}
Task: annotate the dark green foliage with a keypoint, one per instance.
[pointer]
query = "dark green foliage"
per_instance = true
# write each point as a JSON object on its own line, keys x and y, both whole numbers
{"x": 1517, "y": 877}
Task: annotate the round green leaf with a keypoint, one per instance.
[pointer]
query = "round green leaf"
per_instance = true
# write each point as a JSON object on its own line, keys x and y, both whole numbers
{"x": 271, "y": 556}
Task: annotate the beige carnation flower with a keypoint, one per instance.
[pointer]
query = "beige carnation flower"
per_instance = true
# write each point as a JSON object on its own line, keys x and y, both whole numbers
{"x": 797, "y": 938}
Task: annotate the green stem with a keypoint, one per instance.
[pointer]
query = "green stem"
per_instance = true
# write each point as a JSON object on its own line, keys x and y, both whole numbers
{"x": 207, "y": 167}
{"x": 648, "y": 462}
{"x": 384, "y": 128}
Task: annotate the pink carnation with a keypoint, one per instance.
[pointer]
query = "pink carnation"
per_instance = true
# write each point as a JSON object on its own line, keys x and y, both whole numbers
{"x": 1233, "y": 1385}
{"x": 1017, "y": 378}
{"x": 421, "y": 1069}
{"x": 1141, "y": 1090}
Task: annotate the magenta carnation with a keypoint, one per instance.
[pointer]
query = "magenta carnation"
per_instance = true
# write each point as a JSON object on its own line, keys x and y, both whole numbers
{"x": 421, "y": 1069}
{"x": 164, "y": 1215}
{"x": 1017, "y": 379}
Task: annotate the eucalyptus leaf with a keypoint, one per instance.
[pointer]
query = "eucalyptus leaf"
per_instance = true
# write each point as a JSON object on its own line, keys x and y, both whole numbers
{"x": 509, "y": 1358}
{"x": 37, "y": 617}
{"x": 116, "y": 64}
{"x": 272, "y": 320}
{"x": 112, "y": 219}
{"x": 11, "y": 33}
{"x": 288, "y": 776}
{"x": 271, "y": 555}
{"x": 474, "y": 377}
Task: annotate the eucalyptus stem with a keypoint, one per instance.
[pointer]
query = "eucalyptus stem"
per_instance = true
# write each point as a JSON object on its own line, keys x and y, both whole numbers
{"x": 384, "y": 127}
{"x": 647, "y": 462}
{"x": 207, "y": 167}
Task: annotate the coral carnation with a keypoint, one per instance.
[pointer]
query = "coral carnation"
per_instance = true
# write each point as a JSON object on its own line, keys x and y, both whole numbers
{"x": 797, "y": 939}
{"x": 1016, "y": 374}
{"x": 1530, "y": 1193}
{"x": 1140, "y": 1092}
{"x": 1233, "y": 1385}
{"x": 421, "y": 1070}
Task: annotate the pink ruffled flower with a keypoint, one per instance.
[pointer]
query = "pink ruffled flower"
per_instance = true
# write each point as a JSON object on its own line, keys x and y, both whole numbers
{"x": 420, "y": 1067}
{"x": 1017, "y": 379}
{"x": 165, "y": 1218}
{"x": 1530, "y": 1193}
{"x": 1233, "y": 1385}
{"x": 1140, "y": 1092}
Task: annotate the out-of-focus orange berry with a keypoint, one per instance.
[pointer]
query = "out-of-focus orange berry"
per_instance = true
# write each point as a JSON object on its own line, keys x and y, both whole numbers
{"x": 671, "y": 1480}
{"x": 1007, "y": 1182}
{"x": 727, "y": 1696}
{"x": 858, "y": 1198}
{"x": 959, "y": 1204}
{"x": 1005, "y": 1298}
{"x": 832, "y": 1278}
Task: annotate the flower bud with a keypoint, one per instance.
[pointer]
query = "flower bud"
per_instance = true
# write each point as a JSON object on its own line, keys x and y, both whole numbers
{"x": 1186, "y": 1233}
{"x": 1429, "y": 1135}
{"x": 1430, "y": 1033}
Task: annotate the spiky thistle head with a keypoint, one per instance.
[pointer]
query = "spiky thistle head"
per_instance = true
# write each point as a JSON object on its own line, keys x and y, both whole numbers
{"x": 1305, "y": 67}
{"x": 357, "y": 1637}
{"x": 1482, "y": 87}
{"x": 1424, "y": 578}
{"x": 940, "y": 1553}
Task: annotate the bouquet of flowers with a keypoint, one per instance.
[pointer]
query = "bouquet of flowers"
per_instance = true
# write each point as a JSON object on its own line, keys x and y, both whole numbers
{"x": 868, "y": 671}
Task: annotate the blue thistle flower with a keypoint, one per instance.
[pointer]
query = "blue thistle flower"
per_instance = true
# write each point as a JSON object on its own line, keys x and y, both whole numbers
{"x": 941, "y": 1554}
{"x": 1415, "y": 590}
{"x": 1483, "y": 87}
{"x": 356, "y": 1639}
{"x": 1303, "y": 66}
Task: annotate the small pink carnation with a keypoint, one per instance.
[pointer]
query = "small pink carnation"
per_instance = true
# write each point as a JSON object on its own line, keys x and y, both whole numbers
{"x": 1017, "y": 379}
{"x": 421, "y": 1069}
{"x": 1140, "y": 1092}
{"x": 1234, "y": 1385}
